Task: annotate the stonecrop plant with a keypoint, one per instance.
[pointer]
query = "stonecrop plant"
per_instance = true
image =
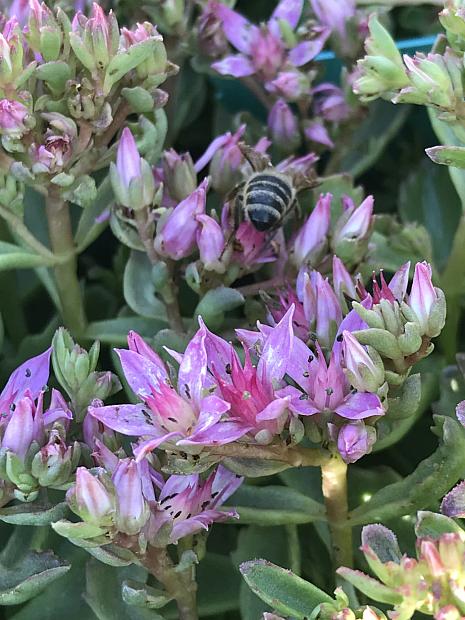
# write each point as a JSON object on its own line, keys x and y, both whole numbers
{"x": 231, "y": 324}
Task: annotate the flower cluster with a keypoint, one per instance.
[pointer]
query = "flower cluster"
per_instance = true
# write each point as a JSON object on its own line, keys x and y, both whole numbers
{"x": 432, "y": 583}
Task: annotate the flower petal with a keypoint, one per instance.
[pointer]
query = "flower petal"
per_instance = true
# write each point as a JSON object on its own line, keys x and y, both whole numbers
{"x": 237, "y": 66}
{"x": 288, "y": 10}
{"x": 359, "y": 406}
{"x": 217, "y": 435}
{"x": 277, "y": 350}
{"x": 307, "y": 50}
{"x": 145, "y": 447}
{"x": 126, "y": 419}
{"x": 238, "y": 29}
{"x": 32, "y": 376}
{"x": 274, "y": 409}
{"x": 140, "y": 372}
{"x": 193, "y": 369}
{"x": 212, "y": 408}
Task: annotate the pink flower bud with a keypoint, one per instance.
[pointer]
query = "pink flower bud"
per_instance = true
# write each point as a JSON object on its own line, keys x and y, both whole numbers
{"x": 179, "y": 175}
{"x": 312, "y": 237}
{"x": 132, "y": 510}
{"x": 334, "y": 14}
{"x": 210, "y": 239}
{"x": 90, "y": 498}
{"x": 177, "y": 232}
{"x": 317, "y": 132}
{"x": 291, "y": 85}
{"x": 20, "y": 428}
{"x": 342, "y": 281}
{"x": 430, "y": 554}
{"x": 128, "y": 160}
{"x": 283, "y": 126}
{"x": 12, "y": 117}
{"x": 363, "y": 373}
{"x": 355, "y": 440}
{"x": 210, "y": 35}
{"x": 359, "y": 223}
{"x": 422, "y": 296}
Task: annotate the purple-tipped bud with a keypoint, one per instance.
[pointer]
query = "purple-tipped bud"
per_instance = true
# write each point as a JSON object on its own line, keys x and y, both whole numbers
{"x": 90, "y": 499}
{"x": 283, "y": 127}
{"x": 226, "y": 160}
{"x": 210, "y": 34}
{"x": 430, "y": 554}
{"x": 321, "y": 307}
{"x": 210, "y": 239}
{"x": 334, "y": 14}
{"x": 179, "y": 175}
{"x": 359, "y": 223}
{"x": 20, "y": 428}
{"x": 426, "y": 301}
{"x": 355, "y": 440}
{"x": 94, "y": 430}
{"x": 364, "y": 370}
{"x": 13, "y": 116}
{"x": 311, "y": 240}
{"x": 132, "y": 510}
{"x": 343, "y": 282}
{"x": 330, "y": 103}
{"x": 132, "y": 178}
{"x": 290, "y": 85}
{"x": 177, "y": 233}
{"x": 128, "y": 160}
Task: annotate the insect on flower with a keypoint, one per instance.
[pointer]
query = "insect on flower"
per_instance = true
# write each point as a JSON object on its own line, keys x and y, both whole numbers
{"x": 268, "y": 195}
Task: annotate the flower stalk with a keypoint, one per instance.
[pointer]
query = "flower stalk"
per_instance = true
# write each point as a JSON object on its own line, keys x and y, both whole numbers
{"x": 334, "y": 484}
{"x": 62, "y": 243}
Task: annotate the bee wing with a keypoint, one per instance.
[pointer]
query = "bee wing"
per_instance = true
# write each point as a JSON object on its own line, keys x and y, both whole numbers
{"x": 258, "y": 161}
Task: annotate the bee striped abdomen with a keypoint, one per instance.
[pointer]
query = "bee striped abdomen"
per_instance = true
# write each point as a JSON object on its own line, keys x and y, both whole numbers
{"x": 267, "y": 197}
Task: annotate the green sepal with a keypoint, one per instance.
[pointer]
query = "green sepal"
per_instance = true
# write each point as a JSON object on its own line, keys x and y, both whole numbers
{"x": 433, "y": 525}
{"x": 77, "y": 530}
{"x": 447, "y": 155}
{"x": 142, "y": 595}
{"x": 140, "y": 100}
{"x": 369, "y": 586}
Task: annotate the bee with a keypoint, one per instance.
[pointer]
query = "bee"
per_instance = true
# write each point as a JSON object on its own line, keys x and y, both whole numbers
{"x": 267, "y": 196}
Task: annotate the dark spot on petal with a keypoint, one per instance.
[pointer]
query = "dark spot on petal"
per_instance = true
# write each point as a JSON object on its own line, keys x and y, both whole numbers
{"x": 28, "y": 372}
{"x": 172, "y": 419}
{"x": 306, "y": 374}
{"x": 228, "y": 369}
{"x": 339, "y": 338}
{"x": 329, "y": 391}
{"x": 177, "y": 514}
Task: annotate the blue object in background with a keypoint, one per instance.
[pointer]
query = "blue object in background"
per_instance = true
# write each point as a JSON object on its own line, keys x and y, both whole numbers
{"x": 236, "y": 97}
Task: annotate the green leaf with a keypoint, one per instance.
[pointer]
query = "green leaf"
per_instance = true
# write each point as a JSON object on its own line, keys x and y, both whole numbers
{"x": 55, "y": 73}
{"x": 433, "y": 477}
{"x": 433, "y": 525}
{"x": 216, "y": 302}
{"x": 15, "y": 257}
{"x": 142, "y": 595}
{"x": 271, "y": 543}
{"x": 254, "y": 468}
{"x": 370, "y": 587}
{"x": 138, "y": 287}
{"x": 63, "y": 597}
{"x": 112, "y": 555}
{"x": 115, "y": 331}
{"x": 447, "y": 155}
{"x": 28, "y": 577}
{"x": 285, "y": 592}
{"x": 428, "y": 197}
{"x": 33, "y": 514}
{"x": 372, "y": 136}
{"x": 275, "y": 505}
{"x": 89, "y": 228}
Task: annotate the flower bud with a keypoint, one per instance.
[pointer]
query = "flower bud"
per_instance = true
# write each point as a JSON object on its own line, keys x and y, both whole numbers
{"x": 132, "y": 178}
{"x": 426, "y": 301}
{"x": 44, "y": 34}
{"x": 14, "y": 118}
{"x": 90, "y": 500}
{"x": 94, "y": 430}
{"x": 179, "y": 175}
{"x": 177, "y": 231}
{"x": 132, "y": 509}
{"x": 315, "y": 131}
{"x": 342, "y": 282}
{"x": 53, "y": 464}
{"x": 283, "y": 127}
{"x": 364, "y": 368}
{"x": 210, "y": 34}
{"x": 20, "y": 428}
{"x": 351, "y": 233}
{"x": 430, "y": 554}
{"x": 210, "y": 239}
{"x": 453, "y": 20}
{"x": 310, "y": 242}
{"x": 151, "y": 50}
{"x": 355, "y": 440}
{"x": 290, "y": 85}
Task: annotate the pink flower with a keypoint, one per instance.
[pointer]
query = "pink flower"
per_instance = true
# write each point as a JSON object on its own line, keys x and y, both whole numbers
{"x": 354, "y": 440}
{"x": 283, "y": 126}
{"x": 211, "y": 243}
{"x": 190, "y": 505}
{"x": 128, "y": 160}
{"x": 423, "y": 295}
{"x": 262, "y": 50}
{"x": 90, "y": 499}
{"x": 132, "y": 509}
{"x": 191, "y": 412}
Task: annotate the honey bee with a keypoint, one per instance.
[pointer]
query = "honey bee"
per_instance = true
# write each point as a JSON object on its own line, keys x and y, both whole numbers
{"x": 267, "y": 196}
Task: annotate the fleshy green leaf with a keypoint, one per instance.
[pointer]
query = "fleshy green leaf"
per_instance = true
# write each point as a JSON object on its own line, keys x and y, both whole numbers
{"x": 28, "y": 577}
{"x": 447, "y": 155}
{"x": 142, "y": 595}
{"x": 369, "y": 586}
{"x": 285, "y": 592}
{"x": 33, "y": 514}
{"x": 112, "y": 555}
{"x": 115, "y": 331}
{"x": 275, "y": 505}
{"x": 15, "y": 257}
{"x": 139, "y": 291}
{"x": 216, "y": 302}
{"x": 433, "y": 477}
{"x": 90, "y": 225}
{"x": 433, "y": 525}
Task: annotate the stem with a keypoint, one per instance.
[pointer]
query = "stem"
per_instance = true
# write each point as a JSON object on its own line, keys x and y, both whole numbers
{"x": 180, "y": 585}
{"x": 120, "y": 116}
{"x": 62, "y": 242}
{"x": 20, "y": 229}
{"x": 334, "y": 482}
{"x": 254, "y": 289}
{"x": 170, "y": 297}
{"x": 258, "y": 91}
{"x": 296, "y": 457}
